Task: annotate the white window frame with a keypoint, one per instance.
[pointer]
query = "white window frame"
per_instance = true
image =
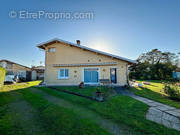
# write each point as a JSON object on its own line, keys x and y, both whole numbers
{"x": 63, "y": 77}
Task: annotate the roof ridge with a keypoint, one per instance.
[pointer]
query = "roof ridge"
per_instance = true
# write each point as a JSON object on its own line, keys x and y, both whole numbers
{"x": 14, "y": 63}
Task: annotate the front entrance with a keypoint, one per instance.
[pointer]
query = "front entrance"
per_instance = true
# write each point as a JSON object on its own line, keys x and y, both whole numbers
{"x": 91, "y": 75}
{"x": 113, "y": 75}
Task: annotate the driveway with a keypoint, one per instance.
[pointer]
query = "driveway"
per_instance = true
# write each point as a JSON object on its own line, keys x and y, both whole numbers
{"x": 123, "y": 91}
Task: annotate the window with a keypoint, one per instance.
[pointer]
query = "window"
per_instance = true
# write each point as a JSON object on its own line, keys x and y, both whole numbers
{"x": 51, "y": 50}
{"x": 63, "y": 74}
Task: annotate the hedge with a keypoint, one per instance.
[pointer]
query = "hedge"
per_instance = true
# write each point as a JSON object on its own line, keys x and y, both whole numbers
{"x": 2, "y": 76}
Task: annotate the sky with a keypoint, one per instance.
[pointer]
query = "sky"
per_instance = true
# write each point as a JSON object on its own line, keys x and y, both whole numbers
{"x": 122, "y": 27}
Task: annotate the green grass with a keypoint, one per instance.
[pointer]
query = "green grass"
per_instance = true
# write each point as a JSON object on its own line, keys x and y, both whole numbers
{"x": 120, "y": 109}
{"x": 87, "y": 90}
{"x": 60, "y": 120}
{"x": 8, "y": 92}
{"x": 16, "y": 86}
{"x": 8, "y": 123}
{"x": 8, "y": 119}
{"x": 156, "y": 93}
{"x": 54, "y": 119}
{"x": 8, "y": 97}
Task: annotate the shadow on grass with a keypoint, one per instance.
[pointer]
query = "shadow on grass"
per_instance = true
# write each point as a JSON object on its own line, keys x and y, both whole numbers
{"x": 153, "y": 85}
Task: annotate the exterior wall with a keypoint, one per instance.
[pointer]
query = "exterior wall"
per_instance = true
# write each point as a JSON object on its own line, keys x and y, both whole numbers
{"x": 33, "y": 75}
{"x": 65, "y": 54}
{"x": 36, "y": 75}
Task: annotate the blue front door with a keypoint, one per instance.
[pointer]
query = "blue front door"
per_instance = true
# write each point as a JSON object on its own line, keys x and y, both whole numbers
{"x": 91, "y": 75}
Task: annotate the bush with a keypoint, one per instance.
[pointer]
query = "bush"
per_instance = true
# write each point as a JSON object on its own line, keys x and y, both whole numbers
{"x": 2, "y": 76}
{"x": 172, "y": 90}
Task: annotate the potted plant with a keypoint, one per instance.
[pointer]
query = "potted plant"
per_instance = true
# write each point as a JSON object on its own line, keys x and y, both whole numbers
{"x": 99, "y": 95}
{"x": 81, "y": 85}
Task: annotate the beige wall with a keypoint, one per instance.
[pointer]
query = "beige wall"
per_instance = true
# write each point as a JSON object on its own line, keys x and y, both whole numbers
{"x": 66, "y": 54}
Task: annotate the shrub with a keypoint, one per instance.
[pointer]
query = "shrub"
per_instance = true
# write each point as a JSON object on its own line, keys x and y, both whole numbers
{"x": 172, "y": 90}
{"x": 2, "y": 76}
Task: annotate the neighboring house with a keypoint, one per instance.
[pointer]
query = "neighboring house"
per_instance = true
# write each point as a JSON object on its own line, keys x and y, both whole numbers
{"x": 176, "y": 73}
{"x": 13, "y": 68}
{"x": 37, "y": 73}
{"x": 70, "y": 64}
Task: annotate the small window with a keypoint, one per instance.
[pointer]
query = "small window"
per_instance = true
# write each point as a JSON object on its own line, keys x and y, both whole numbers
{"x": 51, "y": 50}
{"x": 63, "y": 74}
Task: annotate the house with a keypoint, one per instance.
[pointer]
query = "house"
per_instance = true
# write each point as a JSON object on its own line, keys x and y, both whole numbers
{"x": 67, "y": 63}
{"x": 13, "y": 68}
{"x": 37, "y": 73}
{"x": 176, "y": 73}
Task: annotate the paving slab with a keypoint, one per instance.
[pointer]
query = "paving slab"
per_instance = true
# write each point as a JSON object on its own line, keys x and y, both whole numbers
{"x": 167, "y": 123}
{"x": 152, "y": 104}
{"x": 165, "y": 108}
{"x": 160, "y": 113}
{"x": 174, "y": 113}
{"x": 176, "y": 126}
{"x": 170, "y": 117}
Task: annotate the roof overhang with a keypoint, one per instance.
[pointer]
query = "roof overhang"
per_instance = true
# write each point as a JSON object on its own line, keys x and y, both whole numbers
{"x": 57, "y": 40}
{"x": 14, "y": 63}
{"x": 85, "y": 64}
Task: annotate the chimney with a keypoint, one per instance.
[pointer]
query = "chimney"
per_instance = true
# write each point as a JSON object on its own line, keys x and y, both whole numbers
{"x": 78, "y": 42}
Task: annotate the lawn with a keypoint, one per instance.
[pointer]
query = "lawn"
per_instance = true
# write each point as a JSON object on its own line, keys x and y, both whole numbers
{"x": 122, "y": 110}
{"x": 23, "y": 112}
{"x": 155, "y": 92}
{"x": 44, "y": 111}
{"x": 16, "y": 86}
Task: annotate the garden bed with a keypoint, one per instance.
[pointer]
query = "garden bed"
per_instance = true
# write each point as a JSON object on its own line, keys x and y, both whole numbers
{"x": 88, "y": 91}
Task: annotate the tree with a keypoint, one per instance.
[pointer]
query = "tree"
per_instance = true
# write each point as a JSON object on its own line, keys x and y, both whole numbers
{"x": 155, "y": 64}
{"x": 155, "y": 57}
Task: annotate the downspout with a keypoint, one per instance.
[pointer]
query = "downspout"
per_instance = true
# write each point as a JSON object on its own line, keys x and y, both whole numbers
{"x": 127, "y": 76}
